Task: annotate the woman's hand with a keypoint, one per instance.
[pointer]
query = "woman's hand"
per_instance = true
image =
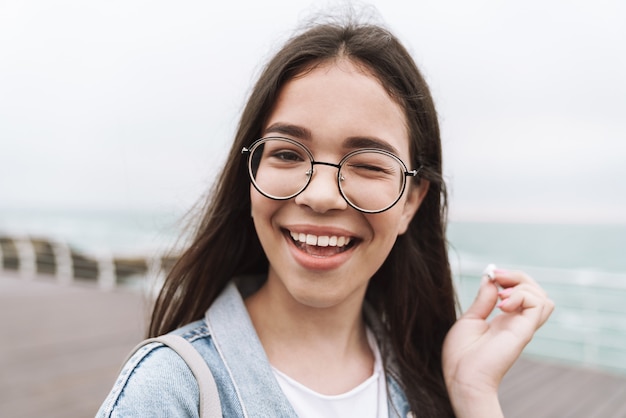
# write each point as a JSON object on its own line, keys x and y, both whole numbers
{"x": 477, "y": 353}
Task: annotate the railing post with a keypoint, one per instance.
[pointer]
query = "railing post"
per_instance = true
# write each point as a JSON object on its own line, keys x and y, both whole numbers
{"x": 154, "y": 275}
{"x": 154, "y": 267}
{"x": 64, "y": 263}
{"x": 590, "y": 344}
{"x": 26, "y": 257}
{"x": 106, "y": 271}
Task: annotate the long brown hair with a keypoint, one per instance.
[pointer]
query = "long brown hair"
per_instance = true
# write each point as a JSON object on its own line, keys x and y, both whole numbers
{"x": 412, "y": 291}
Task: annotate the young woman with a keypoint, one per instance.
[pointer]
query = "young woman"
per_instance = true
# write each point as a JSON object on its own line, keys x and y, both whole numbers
{"x": 321, "y": 259}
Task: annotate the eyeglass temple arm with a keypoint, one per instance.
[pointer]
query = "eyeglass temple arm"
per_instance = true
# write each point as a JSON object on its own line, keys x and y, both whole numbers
{"x": 413, "y": 173}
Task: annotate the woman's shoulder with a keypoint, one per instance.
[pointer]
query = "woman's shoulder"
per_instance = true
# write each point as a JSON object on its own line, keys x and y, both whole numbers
{"x": 156, "y": 381}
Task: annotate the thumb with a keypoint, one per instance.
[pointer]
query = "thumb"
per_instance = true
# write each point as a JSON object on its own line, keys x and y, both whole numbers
{"x": 485, "y": 301}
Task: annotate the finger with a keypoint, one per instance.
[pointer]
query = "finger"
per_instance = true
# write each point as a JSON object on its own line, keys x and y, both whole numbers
{"x": 518, "y": 301}
{"x": 509, "y": 278}
{"x": 535, "y": 307}
{"x": 485, "y": 300}
{"x": 524, "y": 287}
{"x": 517, "y": 279}
{"x": 547, "y": 311}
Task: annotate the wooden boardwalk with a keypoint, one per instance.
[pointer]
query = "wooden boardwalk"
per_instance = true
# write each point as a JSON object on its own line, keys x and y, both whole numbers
{"x": 61, "y": 348}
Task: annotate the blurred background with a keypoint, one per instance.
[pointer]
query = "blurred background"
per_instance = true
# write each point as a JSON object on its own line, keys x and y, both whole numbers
{"x": 115, "y": 117}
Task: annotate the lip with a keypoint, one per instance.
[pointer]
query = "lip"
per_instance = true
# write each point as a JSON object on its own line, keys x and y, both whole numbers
{"x": 319, "y": 230}
{"x": 315, "y": 262}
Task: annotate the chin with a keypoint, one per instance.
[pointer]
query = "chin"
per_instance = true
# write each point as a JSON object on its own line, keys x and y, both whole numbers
{"x": 322, "y": 297}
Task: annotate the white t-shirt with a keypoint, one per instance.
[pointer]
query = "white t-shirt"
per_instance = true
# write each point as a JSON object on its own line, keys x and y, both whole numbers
{"x": 367, "y": 400}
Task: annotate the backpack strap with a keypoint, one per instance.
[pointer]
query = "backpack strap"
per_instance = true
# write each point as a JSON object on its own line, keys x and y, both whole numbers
{"x": 210, "y": 406}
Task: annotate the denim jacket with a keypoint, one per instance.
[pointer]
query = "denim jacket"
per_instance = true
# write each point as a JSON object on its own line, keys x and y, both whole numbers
{"x": 155, "y": 381}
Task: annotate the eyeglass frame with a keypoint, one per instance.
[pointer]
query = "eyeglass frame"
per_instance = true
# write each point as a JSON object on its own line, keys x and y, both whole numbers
{"x": 407, "y": 173}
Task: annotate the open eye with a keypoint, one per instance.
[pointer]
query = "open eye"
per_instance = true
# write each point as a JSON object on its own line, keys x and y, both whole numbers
{"x": 287, "y": 155}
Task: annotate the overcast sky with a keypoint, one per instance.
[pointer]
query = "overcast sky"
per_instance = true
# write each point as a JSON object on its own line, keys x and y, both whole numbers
{"x": 132, "y": 104}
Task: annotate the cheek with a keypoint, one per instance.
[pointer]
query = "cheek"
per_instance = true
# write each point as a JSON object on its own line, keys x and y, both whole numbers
{"x": 259, "y": 217}
{"x": 263, "y": 209}
{"x": 387, "y": 225}
{"x": 253, "y": 201}
{"x": 258, "y": 202}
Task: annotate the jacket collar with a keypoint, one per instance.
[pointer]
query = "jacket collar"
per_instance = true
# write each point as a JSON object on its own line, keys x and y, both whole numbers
{"x": 241, "y": 351}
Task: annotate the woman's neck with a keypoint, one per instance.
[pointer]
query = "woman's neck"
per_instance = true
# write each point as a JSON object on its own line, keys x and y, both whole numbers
{"x": 325, "y": 349}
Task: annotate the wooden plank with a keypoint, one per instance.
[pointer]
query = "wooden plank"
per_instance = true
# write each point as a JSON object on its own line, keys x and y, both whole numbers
{"x": 61, "y": 346}
{"x": 541, "y": 389}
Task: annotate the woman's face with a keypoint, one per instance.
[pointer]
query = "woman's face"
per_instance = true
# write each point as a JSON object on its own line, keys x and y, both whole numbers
{"x": 332, "y": 110}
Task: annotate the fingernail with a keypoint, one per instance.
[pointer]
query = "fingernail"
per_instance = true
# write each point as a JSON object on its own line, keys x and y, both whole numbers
{"x": 502, "y": 303}
{"x": 501, "y": 272}
{"x": 506, "y": 292}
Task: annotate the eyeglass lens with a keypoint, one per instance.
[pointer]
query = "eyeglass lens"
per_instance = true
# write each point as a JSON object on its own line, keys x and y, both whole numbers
{"x": 369, "y": 180}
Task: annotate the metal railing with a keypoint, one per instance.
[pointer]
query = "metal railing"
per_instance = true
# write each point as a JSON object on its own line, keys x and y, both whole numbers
{"x": 31, "y": 256}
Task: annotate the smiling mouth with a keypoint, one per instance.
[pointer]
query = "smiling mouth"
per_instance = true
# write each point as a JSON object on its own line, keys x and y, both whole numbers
{"x": 322, "y": 245}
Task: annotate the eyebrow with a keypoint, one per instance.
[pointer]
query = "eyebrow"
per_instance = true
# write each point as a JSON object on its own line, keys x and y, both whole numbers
{"x": 290, "y": 130}
{"x": 354, "y": 142}
{"x": 357, "y": 142}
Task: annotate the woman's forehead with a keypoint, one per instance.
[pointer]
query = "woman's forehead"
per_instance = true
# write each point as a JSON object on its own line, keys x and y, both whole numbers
{"x": 339, "y": 99}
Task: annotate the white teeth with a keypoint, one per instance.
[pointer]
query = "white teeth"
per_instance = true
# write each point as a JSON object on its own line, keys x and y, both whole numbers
{"x": 322, "y": 241}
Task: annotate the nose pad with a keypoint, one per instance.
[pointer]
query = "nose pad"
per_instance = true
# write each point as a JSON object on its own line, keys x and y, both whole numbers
{"x": 322, "y": 193}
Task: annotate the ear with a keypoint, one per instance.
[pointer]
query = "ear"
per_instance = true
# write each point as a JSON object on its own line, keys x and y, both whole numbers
{"x": 414, "y": 199}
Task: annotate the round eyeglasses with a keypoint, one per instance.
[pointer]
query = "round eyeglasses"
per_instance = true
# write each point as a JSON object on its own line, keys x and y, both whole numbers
{"x": 371, "y": 180}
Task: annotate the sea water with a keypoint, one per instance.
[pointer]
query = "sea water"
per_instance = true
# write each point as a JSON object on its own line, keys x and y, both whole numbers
{"x": 598, "y": 247}
{"x": 119, "y": 232}
{"x": 582, "y": 267}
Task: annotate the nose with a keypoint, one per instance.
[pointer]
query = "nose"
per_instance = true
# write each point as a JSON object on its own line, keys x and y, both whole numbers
{"x": 322, "y": 193}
